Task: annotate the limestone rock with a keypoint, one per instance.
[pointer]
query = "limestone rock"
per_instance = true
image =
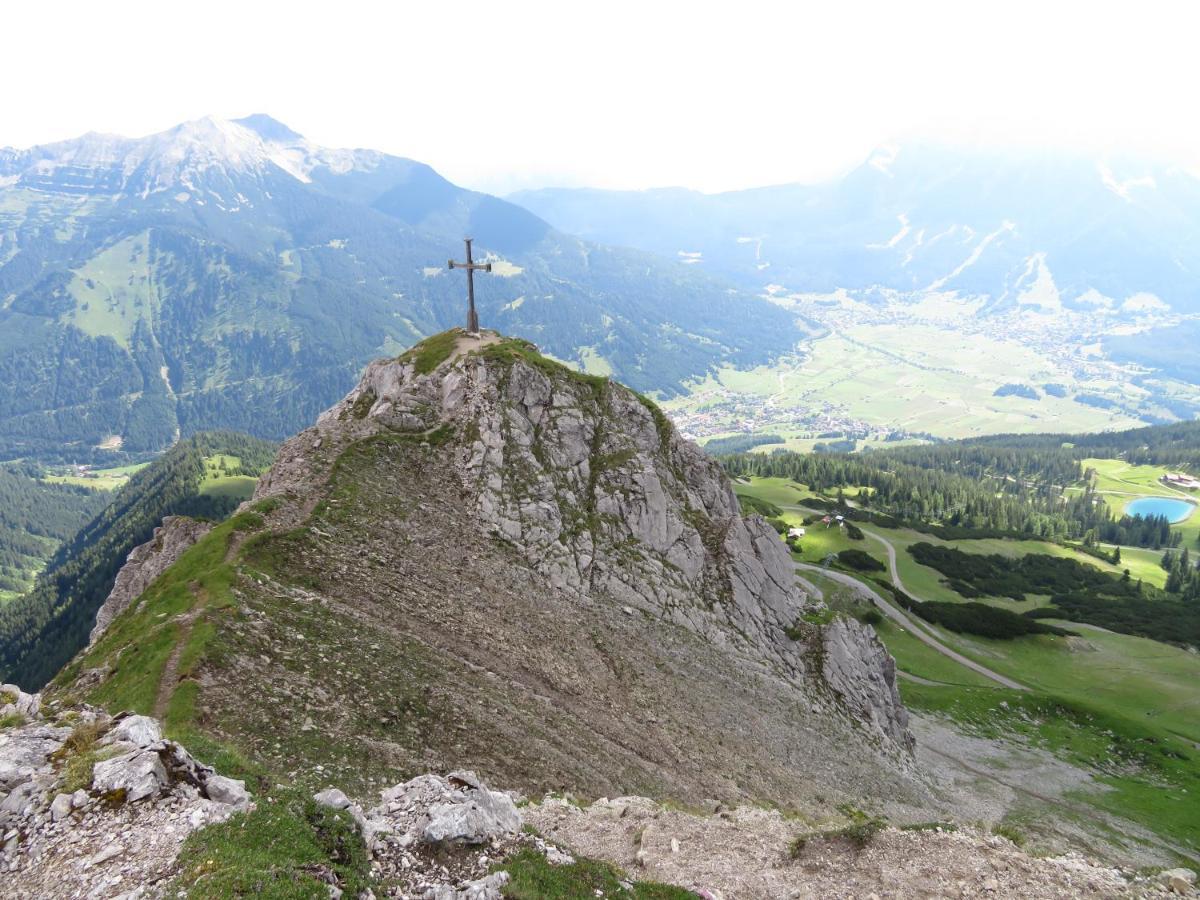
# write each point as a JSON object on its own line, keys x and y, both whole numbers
{"x": 333, "y": 798}
{"x": 61, "y": 807}
{"x": 593, "y": 488}
{"x": 489, "y": 887}
{"x": 145, "y": 563}
{"x": 13, "y": 700}
{"x": 141, "y": 731}
{"x": 228, "y": 791}
{"x": 863, "y": 675}
{"x": 139, "y": 774}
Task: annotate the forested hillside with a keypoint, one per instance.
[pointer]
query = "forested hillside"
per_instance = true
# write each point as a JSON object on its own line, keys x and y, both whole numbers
{"x": 35, "y": 517}
{"x": 193, "y": 281}
{"x": 968, "y": 488}
{"x": 44, "y": 628}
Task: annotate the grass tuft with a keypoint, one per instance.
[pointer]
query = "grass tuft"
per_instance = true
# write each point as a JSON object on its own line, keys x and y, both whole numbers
{"x": 431, "y": 352}
{"x": 533, "y": 878}
{"x": 278, "y": 851}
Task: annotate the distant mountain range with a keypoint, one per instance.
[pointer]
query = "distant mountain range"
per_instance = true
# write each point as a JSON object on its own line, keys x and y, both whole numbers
{"x": 1114, "y": 238}
{"x": 233, "y": 274}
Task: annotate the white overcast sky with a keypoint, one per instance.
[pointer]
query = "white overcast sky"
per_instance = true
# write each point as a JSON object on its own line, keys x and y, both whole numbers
{"x": 617, "y": 94}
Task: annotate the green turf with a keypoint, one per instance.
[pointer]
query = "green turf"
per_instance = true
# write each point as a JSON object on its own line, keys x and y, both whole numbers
{"x": 218, "y": 482}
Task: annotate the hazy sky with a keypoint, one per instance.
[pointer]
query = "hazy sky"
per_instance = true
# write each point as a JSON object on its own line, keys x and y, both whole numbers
{"x": 616, "y": 94}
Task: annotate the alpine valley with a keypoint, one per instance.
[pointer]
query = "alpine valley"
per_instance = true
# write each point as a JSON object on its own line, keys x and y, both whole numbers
{"x": 960, "y": 292}
{"x": 306, "y": 592}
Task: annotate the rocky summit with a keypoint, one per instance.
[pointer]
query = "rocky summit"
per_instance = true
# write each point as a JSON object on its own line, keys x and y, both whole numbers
{"x": 482, "y": 559}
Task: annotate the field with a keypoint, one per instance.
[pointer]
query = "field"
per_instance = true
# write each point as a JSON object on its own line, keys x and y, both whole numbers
{"x": 1118, "y": 483}
{"x": 1123, "y": 707}
{"x": 929, "y": 377}
{"x": 100, "y": 479}
{"x": 218, "y": 482}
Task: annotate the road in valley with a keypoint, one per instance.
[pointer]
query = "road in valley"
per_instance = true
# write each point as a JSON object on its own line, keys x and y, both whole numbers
{"x": 901, "y": 619}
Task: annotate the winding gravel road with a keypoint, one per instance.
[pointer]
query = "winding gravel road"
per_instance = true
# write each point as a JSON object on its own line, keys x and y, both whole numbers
{"x": 901, "y": 619}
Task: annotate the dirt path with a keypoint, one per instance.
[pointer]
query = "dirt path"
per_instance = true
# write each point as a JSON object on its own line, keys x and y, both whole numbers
{"x": 907, "y": 624}
{"x": 811, "y": 588}
{"x": 170, "y": 675}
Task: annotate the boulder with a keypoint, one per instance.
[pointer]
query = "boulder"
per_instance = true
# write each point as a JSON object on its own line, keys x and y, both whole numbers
{"x": 333, "y": 798}
{"x": 140, "y": 731}
{"x": 229, "y": 791}
{"x": 1178, "y": 881}
{"x": 480, "y": 816}
{"x": 61, "y": 807}
{"x": 139, "y": 774}
{"x": 15, "y": 700}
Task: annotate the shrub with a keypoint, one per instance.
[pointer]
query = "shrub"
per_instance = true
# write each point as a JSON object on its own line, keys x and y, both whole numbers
{"x": 860, "y": 560}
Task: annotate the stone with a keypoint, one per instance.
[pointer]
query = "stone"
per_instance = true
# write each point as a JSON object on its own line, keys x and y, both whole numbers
{"x": 557, "y": 857}
{"x": 481, "y": 817}
{"x": 139, "y": 774}
{"x": 21, "y": 797}
{"x": 1178, "y": 881}
{"x": 108, "y": 852}
{"x": 61, "y": 807}
{"x": 229, "y": 791}
{"x": 333, "y": 798}
{"x": 140, "y": 731}
{"x": 1184, "y": 874}
{"x": 27, "y": 705}
{"x": 488, "y": 888}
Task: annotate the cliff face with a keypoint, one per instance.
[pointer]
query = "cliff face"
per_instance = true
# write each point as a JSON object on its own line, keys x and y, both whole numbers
{"x": 145, "y": 563}
{"x": 596, "y": 490}
{"x": 481, "y": 558}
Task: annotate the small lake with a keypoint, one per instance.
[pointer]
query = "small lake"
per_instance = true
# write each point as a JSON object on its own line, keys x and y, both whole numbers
{"x": 1174, "y": 510}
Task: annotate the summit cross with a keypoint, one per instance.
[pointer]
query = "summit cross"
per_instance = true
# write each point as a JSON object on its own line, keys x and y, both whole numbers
{"x": 470, "y": 265}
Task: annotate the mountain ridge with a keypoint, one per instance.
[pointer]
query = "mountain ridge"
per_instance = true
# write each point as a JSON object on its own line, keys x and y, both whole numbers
{"x": 213, "y": 276}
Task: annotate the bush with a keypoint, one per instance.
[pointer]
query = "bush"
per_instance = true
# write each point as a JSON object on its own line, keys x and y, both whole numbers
{"x": 860, "y": 560}
{"x": 751, "y": 504}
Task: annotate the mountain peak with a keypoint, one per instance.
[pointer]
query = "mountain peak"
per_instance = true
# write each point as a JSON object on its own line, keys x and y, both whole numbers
{"x": 269, "y": 129}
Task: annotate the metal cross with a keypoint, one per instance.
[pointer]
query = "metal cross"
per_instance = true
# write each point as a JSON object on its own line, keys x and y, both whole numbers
{"x": 470, "y": 265}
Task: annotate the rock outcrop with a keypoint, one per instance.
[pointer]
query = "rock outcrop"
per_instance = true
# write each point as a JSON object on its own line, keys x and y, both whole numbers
{"x": 92, "y": 806}
{"x": 858, "y": 668}
{"x": 591, "y": 485}
{"x": 145, "y": 563}
{"x": 498, "y": 562}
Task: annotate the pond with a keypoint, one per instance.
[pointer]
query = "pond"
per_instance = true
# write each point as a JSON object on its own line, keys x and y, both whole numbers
{"x": 1174, "y": 510}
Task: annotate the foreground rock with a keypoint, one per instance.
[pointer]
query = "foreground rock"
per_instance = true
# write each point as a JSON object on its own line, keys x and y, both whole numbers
{"x": 457, "y": 821}
{"x": 92, "y": 806}
{"x": 751, "y": 854}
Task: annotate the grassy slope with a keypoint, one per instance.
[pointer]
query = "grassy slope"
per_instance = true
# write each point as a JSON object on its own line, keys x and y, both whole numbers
{"x": 1147, "y": 693}
{"x": 217, "y": 483}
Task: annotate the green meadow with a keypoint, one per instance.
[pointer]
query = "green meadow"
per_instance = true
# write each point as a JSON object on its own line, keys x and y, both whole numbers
{"x": 1125, "y": 708}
